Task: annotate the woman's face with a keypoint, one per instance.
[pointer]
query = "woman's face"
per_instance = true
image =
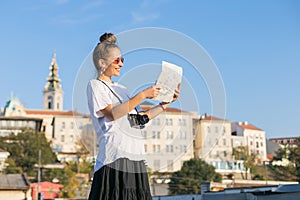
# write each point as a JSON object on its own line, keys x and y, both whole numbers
{"x": 114, "y": 63}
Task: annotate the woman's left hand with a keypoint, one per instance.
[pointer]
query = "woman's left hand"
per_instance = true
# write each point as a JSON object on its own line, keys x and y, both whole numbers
{"x": 177, "y": 93}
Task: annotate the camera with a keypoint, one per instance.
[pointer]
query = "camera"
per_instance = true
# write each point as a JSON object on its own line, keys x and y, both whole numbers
{"x": 138, "y": 121}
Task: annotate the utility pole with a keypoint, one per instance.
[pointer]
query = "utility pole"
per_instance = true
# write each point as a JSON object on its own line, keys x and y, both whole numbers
{"x": 39, "y": 177}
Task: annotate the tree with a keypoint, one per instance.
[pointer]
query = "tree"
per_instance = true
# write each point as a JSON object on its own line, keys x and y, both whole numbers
{"x": 192, "y": 173}
{"x": 242, "y": 153}
{"x": 24, "y": 148}
{"x": 294, "y": 156}
{"x": 71, "y": 184}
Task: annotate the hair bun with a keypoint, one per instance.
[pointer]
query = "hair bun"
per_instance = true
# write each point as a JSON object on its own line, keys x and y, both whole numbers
{"x": 108, "y": 38}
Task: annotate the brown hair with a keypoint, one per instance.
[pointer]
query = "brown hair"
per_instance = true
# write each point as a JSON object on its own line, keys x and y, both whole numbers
{"x": 102, "y": 50}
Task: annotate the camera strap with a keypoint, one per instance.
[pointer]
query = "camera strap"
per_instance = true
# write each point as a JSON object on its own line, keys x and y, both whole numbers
{"x": 115, "y": 93}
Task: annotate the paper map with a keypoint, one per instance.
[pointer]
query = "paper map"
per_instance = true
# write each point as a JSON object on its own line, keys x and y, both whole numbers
{"x": 168, "y": 80}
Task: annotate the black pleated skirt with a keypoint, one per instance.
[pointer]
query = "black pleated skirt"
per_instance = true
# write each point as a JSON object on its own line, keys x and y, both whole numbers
{"x": 121, "y": 180}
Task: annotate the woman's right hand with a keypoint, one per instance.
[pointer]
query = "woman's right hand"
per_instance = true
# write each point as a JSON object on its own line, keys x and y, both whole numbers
{"x": 151, "y": 92}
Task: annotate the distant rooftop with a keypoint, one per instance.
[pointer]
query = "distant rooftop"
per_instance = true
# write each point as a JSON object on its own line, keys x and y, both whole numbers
{"x": 14, "y": 182}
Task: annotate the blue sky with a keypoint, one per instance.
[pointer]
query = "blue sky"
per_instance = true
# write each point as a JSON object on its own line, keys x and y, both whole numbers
{"x": 254, "y": 44}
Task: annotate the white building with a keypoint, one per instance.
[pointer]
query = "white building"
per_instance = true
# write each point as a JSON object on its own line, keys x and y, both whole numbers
{"x": 213, "y": 144}
{"x": 169, "y": 140}
{"x": 254, "y": 139}
{"x": 62, "y": 128}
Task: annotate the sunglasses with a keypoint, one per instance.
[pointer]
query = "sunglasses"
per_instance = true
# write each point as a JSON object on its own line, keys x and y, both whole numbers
{"x": 117, "y": 60}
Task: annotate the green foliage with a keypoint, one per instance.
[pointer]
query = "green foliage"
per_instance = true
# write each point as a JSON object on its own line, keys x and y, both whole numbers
{"x": 258, "y": 177}
{"x": 294, "y": 157}
{"x": 12, "y": 168}
{"x": 191, "y": 175}
{"x": 242, "y": 153}
{"x": 85, "y": 166}
{"x": 24, "y": 148}
{"x": 290, "y": 154}
{"x": 71, "y": 184}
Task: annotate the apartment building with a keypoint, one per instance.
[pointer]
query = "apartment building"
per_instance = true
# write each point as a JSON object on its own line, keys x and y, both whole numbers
{"x": 213, "y": 143}
{"x": 169, "y": 140}
{"x": 254, "y": 139}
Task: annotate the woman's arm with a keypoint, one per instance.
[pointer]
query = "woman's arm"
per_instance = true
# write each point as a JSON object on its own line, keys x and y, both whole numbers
{"x": 116, "y": 112}
{"x": 156, "y": 110}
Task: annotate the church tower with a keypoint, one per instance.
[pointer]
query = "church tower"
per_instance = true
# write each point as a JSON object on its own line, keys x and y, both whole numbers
{"x": 53, "y": 93}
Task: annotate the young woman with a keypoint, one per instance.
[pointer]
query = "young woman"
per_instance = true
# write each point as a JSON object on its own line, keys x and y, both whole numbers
{"x": 120, "y": 171}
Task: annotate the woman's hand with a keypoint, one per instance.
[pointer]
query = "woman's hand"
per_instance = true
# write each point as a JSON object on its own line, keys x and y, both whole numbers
{"x": 151, "y": 92}
{"x": 164, "y": 105}
{"x": 176, "y": 94}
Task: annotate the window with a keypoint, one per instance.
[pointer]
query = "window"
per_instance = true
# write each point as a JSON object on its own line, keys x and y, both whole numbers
{"x": 223, "y": 165}
{"x": 71, "y": 138}
{"x": 153, "y": 135}
{"x": 216, "y": 129}
{"x": 169, "y": 149}
{"x": 208, "y": 129}
{"x": 181, "y": 122}
{"x": 169, "y": 122}
{"x": 156, "y": 148}
{"x": 169, "y": 134}
{"x": 257, "y": 145}
{"x": 72, "y": 125}
{"x": 145, "y": 147}
{"x": 62, "y": 138}
{"x": 225, "y": 154}
{"x": 49, "y": 102}
{"x": 224, "y": 130}
{"x": 158, "y": 134}
{"x": 182, "y": 135}
{"x": 63, "y": 125}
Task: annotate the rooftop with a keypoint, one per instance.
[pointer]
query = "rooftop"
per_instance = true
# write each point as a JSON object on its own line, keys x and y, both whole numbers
{"x": 14, "y": 182}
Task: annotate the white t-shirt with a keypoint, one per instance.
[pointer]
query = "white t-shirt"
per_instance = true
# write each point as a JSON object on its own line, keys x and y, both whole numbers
{"x": 117, "y": 139}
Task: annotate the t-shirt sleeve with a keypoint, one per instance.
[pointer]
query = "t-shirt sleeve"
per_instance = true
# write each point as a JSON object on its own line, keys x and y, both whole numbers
{"x": 98, "y": 97}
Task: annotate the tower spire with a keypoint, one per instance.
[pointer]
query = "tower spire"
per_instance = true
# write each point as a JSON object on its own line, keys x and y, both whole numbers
{"x": 53, "y": 94}
{"x": 53, "y": 79}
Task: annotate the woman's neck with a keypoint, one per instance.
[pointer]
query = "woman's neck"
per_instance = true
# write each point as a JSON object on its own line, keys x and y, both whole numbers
{"x": 105, "y": 78}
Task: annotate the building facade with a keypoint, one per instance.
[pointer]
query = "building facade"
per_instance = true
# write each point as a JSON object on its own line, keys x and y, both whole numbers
{"x": 213, "y": 144}
{"x": 285, "y": 141}
{"x": 63, "y": 128}
{"x": 254, "y": 139}
{"x": 169, "y": 140}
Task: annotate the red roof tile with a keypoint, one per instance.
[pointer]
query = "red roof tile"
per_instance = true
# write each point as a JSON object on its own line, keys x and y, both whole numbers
{"x": 169, "y": 109}
{"x": 249, "y": 126}
{"x": 51, "y": 112}
{"x": 211, "y": 118}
